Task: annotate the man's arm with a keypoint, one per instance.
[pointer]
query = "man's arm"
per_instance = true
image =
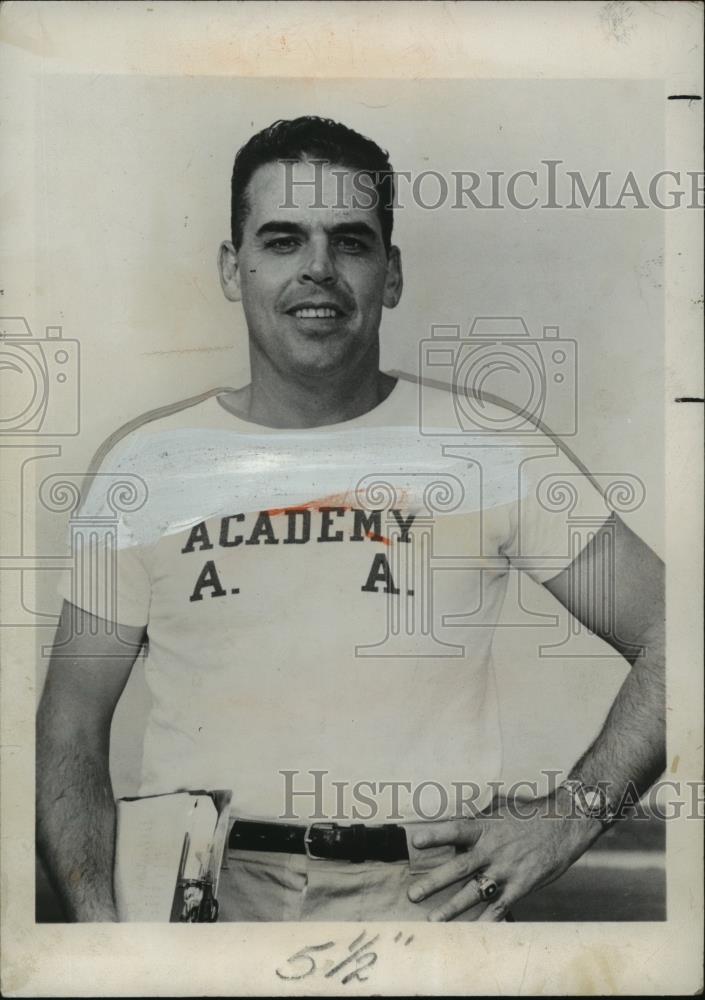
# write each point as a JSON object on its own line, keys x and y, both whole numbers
{"x": 88, "y": 670}
{"x": 631, "y": 746}
{"x": 522, "y": 853}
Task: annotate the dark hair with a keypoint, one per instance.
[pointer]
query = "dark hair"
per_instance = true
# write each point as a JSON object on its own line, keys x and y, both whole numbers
{"x": 315, "y": 138}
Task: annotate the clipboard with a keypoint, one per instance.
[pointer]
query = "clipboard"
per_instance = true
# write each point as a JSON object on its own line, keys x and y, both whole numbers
{"x": 196, "y": 894}
{"x": 169, "y": 851}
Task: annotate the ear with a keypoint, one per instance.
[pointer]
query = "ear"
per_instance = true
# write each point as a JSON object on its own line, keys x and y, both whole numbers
{"x": 229, "y": 271}
{"x": 394, "y": 280}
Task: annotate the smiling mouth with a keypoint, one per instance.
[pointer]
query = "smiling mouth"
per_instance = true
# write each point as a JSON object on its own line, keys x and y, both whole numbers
{"x": 316, "y": 312}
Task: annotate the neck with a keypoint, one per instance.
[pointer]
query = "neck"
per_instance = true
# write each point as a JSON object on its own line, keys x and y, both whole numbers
{"x": 276, "y": 400}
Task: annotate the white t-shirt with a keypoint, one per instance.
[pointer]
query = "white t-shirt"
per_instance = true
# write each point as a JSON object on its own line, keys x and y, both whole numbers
{"x": 321, "y": 604}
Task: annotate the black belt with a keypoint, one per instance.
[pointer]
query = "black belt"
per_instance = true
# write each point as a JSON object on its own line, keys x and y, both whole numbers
{"x": 328, "y": 841}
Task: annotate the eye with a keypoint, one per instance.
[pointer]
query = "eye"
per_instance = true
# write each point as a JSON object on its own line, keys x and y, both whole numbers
{"x": 282, "y": 244}
{"x": 349, "y": 244}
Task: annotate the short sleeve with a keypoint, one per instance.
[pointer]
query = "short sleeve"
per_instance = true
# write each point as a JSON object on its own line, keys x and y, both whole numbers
{"x": 109, "y": 573}
{"x": 558, "y": 511}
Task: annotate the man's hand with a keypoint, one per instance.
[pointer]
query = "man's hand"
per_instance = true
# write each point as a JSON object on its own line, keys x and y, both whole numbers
{"x": 521, "y": 846}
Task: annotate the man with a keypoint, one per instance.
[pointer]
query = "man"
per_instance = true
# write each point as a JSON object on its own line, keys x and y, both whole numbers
{"x": 285, "y": 528}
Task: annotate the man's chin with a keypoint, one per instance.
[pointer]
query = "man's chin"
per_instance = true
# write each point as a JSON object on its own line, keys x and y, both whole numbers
{"x": 321, "y": 359}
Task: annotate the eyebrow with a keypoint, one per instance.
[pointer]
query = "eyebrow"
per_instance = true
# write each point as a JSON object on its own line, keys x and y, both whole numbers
{"x": 348, "y": 228}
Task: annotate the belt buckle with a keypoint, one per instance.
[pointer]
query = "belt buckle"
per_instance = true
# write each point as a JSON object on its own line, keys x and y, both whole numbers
{"x": 356, "y": 833}
{"x": 308, "y": 838}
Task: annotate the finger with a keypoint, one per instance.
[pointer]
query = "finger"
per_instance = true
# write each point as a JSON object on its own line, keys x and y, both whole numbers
{"x": 496, "y": 910}
{"x": 444, "y": 875}
{"x": 462, "y": 833}
{"x": 462, "y": 901}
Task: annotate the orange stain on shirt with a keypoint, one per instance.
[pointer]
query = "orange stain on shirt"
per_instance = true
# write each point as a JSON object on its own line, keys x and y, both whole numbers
{"x": 378, "y": 538}
{"x": 339, "y": 501}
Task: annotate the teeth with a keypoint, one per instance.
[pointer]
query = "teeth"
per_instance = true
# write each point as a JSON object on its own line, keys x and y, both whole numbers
{"x": 316, "y": 313}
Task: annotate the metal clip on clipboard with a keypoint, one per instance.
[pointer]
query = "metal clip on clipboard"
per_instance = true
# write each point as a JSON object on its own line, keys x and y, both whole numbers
{"x": 195, "y": 898}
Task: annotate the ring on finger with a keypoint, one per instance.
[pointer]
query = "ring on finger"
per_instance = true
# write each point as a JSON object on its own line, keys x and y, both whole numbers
{"x": 486, "y": 887}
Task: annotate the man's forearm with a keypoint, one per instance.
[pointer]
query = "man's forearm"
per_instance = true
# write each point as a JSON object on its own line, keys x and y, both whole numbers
{"x": 76, "y": 823}
{"x": 630, "y": 751}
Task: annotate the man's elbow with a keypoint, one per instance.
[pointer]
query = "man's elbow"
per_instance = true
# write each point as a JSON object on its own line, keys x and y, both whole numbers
{"x": 649, "y": 649}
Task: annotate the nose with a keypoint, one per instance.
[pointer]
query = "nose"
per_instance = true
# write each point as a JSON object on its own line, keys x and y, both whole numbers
{"x": 319, "y": 268}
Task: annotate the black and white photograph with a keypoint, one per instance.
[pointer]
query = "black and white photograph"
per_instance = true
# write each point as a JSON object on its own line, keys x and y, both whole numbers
{"x": 351, "y": 454}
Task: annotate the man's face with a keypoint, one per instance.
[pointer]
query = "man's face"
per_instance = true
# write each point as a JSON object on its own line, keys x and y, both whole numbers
{"x": 312, "y": 280}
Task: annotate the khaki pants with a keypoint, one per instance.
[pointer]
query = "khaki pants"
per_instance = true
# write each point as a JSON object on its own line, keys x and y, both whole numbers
{"x": 262, "y": 886}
